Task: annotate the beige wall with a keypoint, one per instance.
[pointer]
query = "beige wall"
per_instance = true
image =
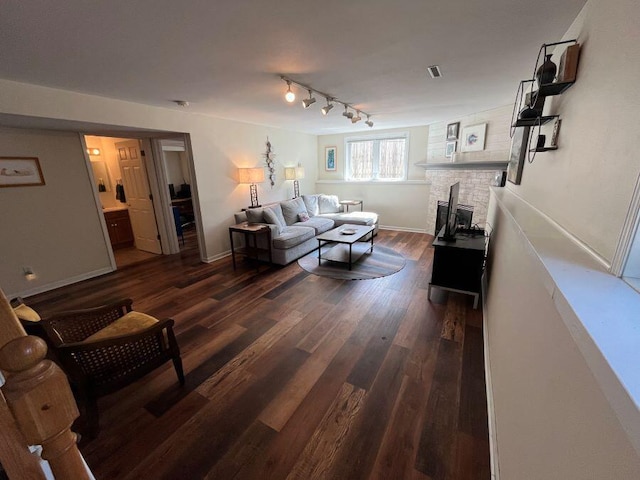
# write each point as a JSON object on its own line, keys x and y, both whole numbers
{"x": 55, "y": 228}
{"x": 587, "y": 184}
{"x": 219, "y": 147}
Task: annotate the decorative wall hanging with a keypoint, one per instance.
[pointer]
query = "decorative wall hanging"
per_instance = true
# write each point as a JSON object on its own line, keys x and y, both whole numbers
{"x": 20, "y": 172}
{"x": 449, "y": 149}
{"x": 473, "y": 138}
{"x": 269, "y": 156}
{"x": 330, "y": 159}
{"x": 519, "y": 144}
{"x": 452, "y": 131}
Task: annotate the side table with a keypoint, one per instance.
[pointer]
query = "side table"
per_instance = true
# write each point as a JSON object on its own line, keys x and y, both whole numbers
{"x": 349, "y": 203}
{"x": 250, "y": 232}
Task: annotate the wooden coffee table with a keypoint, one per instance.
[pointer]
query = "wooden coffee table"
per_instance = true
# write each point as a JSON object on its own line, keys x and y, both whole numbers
{"x": 346, "y": 250}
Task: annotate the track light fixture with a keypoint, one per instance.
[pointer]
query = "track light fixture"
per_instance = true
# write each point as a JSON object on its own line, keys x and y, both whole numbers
{"x": 369, "y": 122}
{"x": 327, "y": 107}
{"x": 307, "y": 102}
{"x": 289, "y": 96}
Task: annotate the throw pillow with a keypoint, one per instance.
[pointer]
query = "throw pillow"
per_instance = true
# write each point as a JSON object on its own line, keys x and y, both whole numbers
{"x": 311, "y": 202}
{"x": 291, "y": 209}
{"x": 272, "y": 218}
{"x": 277, "y": 209}
{"x": 303, "y": 216}
{"x": 328, "y": 203}
{"x": 255, "y": 215}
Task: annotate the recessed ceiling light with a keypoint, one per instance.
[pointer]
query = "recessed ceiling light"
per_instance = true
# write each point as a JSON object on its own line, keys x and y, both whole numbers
{"x": 434, "y": 71}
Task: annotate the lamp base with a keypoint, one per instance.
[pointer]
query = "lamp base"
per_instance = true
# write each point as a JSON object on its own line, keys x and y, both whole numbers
{"x": 296, "y": 189}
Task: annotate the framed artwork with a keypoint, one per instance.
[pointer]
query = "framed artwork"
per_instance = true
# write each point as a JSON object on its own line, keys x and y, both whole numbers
{"x": 519, "y": 145}
{"x": 330, "y": 159}
{"x": 20, "y": 172}
{"x": 453, "y": 130}
{"x": 449, "y": 149}
{"x": 556, "y": 132}
{"x": 473, "y": 138}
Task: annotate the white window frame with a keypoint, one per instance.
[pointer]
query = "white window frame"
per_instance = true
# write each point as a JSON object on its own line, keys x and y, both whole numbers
{"x": 377, "y": 138}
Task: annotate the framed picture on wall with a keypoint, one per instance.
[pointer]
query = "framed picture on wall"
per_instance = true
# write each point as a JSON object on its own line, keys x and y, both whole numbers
{"x": 473, "y": 138}
{"x": 452, "y": 131}
{"x": 330, "y": 159}
{"x": 519, "y": 145}
{"x": 20, "y": 172}
{"x": 449, "y": 149}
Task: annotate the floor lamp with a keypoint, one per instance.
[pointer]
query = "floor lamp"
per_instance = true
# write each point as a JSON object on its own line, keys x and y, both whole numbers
{"x": 295, "y": 174}
{"x": 251, "y": 176}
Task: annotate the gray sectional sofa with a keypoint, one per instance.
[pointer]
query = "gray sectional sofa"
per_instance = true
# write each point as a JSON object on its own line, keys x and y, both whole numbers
{"x": 295, "y": 223}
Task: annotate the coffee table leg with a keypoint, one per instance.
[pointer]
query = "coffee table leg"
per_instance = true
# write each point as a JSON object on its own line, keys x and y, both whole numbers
{"x": 350, "y": 245}
{"x": 319, "y": 251}
{"x": 233, "y": 252}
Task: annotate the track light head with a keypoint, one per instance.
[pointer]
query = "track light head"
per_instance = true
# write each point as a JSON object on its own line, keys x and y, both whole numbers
{"x": 347, "y": 114}
{"x": 327, "y": 107}
{"x": 369, "y": 122}
{"x": 356, "y": 118}
{"x": 307, "y": 102}
{"x": 289, "y": 96}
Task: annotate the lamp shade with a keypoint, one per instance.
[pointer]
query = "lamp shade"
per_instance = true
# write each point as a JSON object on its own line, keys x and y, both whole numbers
{"x": 299, "y": 173}
{"x": 250, "y": 175}
{"x": 289, "y": 173}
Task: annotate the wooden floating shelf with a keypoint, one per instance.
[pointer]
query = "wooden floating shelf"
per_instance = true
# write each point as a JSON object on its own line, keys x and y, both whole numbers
{"x": 543, "y": 149}
{"x": 532, "y": 122}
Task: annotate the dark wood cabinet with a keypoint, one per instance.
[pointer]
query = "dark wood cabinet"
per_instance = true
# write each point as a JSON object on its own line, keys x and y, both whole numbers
{"x": 119, "y": 227}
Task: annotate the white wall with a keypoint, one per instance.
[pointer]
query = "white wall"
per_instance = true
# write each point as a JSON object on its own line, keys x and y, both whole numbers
{"x": 553, "y": 420}
{"x": 401, "y": 205}
{"x": 219, "y": 147}
{"x": 55, "y": 228}
{"x": 586, "y": 185}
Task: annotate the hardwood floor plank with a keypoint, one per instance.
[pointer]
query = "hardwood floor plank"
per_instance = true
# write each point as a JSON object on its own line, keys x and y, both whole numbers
{"x": 473, "y": 407}
{"x": 454, "y": 318}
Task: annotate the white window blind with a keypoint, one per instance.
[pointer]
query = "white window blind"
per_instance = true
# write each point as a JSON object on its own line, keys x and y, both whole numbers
{"x": 379, "y": 158}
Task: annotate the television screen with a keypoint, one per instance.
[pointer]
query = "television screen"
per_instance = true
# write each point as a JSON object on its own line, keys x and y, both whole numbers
{"x": 452, "y": 217}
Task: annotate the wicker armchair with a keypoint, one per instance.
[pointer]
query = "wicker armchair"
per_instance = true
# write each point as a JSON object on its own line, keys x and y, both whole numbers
{"x": 100, "y": 356}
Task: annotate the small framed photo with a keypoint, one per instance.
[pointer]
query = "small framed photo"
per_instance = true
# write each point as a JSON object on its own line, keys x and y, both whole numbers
{"x": 330, "y": 159}
{"x": 473, "y": 137}
{"x": 519, "y": 145}
{"x": 449, "y": 149}
{"x": 452, "y": 131}
{"x": 20, "y": 172}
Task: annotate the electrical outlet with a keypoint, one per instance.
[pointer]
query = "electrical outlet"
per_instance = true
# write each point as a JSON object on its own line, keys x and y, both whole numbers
{"x": 28, "y": 273}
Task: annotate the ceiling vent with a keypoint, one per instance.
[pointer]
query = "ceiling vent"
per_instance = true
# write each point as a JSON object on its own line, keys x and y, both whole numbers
{"x": 434, "y": 71}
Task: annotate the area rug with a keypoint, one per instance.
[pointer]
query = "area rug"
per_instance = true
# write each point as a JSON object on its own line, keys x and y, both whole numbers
{"x": 382, "y": 262}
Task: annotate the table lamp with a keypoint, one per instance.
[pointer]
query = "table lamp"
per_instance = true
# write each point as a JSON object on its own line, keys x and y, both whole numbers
{"x": 295, "y": 174}
{"x": 252, "y": 176}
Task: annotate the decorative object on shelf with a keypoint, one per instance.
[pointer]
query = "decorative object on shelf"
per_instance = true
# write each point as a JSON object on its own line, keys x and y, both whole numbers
{"x": 546, "y": 73}
{"x": 449, "y": 149}
{"x": 528, "y": 113}
{"x": 519, "y": 144}
{"x": 251, "y": 176}
{"x": 541, "y": 140}
{"x": 330, "y": 159}
{"x": 452, "y": 131}
{"x": 306, "y": 103}
{"x": 269, "y": 156}
{"x": 295, "y": 174}
{"x": 556, "y": 132}
{"x": 473, "y": 137}
{"x": 568, "y": 66}
{"x": 20, "y": 172}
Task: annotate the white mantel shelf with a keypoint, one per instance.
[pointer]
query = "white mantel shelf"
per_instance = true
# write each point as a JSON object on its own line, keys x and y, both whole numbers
{"x": 464, "y": 166}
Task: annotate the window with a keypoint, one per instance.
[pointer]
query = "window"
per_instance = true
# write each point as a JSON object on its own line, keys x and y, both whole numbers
{"x": 377, "y": 158}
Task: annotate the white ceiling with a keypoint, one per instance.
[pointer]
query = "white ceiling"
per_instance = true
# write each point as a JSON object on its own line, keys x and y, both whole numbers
{"x": 225, "y": 56}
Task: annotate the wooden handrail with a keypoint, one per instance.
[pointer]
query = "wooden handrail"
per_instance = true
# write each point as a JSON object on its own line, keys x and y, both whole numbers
{"x": 39, "y": 397}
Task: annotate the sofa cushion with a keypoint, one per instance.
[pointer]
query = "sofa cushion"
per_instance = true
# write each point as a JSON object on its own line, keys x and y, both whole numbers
{"x": 311, "y": 202}
{"x": 271, "y": 217}
{"x": 320, "y": 224}
{"x": 328, "y": 204}
{"x": 277, "y": 209}
{"x": 255, "y": 215}
{"x": 291, "y": 209}
{"x": 357, "y": 218}
{"x": 292, "y": 236}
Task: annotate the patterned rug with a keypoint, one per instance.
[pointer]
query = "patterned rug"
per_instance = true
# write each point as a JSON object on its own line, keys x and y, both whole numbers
{"x": 382, "y": 262}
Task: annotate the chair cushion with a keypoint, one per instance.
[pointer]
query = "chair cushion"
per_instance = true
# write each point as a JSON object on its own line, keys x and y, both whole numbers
{"x": 328, "y": 203}
{"x": 130, "y": 323}
{"x": 291, "y": 209}
{"x": 27, "y": 314}
{"x": 292, "y": 236}
{"x": 311, "y": 202}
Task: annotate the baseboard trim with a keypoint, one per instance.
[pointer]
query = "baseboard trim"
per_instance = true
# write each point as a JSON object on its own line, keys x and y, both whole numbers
{"x": 491, "y": 417}
{"x": 219, "y": 256}
{"x": 61, "y": 283}
{"x": 403, "y": 229}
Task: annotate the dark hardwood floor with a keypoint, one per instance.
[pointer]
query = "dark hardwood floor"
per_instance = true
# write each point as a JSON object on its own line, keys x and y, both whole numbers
{"x": 294, "y": 376}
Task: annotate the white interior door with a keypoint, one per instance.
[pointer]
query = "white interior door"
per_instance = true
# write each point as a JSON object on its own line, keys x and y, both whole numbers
{"x": 138, "y": 195}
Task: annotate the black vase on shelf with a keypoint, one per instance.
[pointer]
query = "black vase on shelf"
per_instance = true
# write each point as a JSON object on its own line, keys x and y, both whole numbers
{"x": 546, "y": 72}
{"x": 528, "y": 113}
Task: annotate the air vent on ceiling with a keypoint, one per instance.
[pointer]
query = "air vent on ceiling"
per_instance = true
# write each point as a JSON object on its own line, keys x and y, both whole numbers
{"x": 434, "y": 71}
